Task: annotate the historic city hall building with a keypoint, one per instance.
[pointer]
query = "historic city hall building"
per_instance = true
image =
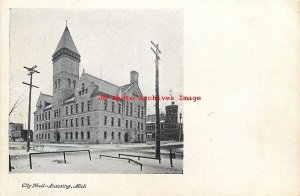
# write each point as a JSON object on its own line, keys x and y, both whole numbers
{"x": 75, "y": 114}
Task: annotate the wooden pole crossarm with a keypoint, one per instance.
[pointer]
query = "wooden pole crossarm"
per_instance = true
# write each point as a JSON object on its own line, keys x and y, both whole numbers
{"x": 31, "y": 85}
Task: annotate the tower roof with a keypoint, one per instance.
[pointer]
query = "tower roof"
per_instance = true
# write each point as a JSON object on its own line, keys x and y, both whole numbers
{"x": 66, "y": 41}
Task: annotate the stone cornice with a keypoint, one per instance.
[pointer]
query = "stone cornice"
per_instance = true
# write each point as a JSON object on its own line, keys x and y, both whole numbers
{"x": 66, "y": 52}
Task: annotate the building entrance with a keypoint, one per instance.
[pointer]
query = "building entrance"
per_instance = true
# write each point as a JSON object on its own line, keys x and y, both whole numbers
{"x": 126, "y": 137}
{"x": 57, "y": 136}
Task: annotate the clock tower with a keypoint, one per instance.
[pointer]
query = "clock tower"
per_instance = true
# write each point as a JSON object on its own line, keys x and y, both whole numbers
{"x": 66, "y": 61}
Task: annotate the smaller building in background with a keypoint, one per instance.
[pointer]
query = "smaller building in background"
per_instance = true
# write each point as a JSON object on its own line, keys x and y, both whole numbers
{"x": 17, "y": 133}
{"x": 170, "y": 128}
{"x": 150, "y": 126}
{"x": 14, "y": 131}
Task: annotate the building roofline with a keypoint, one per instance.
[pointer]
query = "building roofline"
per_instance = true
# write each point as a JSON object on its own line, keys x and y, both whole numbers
{"x": 101, "y": 79}
{"x": 46, "y": 94}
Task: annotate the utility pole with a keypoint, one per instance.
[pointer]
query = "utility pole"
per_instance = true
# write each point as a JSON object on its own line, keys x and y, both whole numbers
{"x": 157, "y": 135}
{"x": 180, "y": 117}
{"x": 31, "y": 71}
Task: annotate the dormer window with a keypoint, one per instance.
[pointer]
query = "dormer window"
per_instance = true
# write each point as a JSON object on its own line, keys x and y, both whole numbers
{"x": 40, "y": 105}
{"x": 83, "y": 90}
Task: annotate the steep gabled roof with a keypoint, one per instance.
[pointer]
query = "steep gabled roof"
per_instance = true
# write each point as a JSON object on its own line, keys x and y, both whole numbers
{"x": 103, "y": 85}
{"x": 46, "y": 95}
{"x": 125, "y": 88}
{"x": 46, "y": 98}
{"x": 66, "y": 41}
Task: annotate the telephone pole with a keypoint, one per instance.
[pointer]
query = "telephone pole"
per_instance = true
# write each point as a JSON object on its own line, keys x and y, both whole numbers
{"x": 157, "y": 135}
{"x": 31, "y": 72}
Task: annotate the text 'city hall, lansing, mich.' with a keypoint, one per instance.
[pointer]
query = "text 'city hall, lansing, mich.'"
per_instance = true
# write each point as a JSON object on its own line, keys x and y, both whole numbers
{"x": 74, "y": 114}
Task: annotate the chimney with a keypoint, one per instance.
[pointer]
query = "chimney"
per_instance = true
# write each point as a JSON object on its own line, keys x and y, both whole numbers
{"x": 134, "y": 77}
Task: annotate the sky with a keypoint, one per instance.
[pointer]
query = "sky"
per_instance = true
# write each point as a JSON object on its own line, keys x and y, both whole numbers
{"x": 111, "y": 44}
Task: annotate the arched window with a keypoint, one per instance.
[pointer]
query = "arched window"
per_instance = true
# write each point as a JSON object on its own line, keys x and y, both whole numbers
{"x": 66, "y": 135}
{"x": 119, "y": 136}
{"x": 88, "y": 135}
{"x": 76, "y": 135}
{"x": 74, "y": 84}
{"x": 71, "y": 135}
{"x": 105, "y": 135}
{"x": 82, "y": 135}
{"x": 112, "y": 135}
{"x": 48, "y": 136}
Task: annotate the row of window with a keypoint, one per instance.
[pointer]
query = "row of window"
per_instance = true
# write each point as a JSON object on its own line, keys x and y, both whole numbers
{"x": 42, "y": 136}
{"x": 152, "y": 126}
{"x": 76, "y": 122}
{"x": 88, "y": 135}
{"x": 70, "y": 135}
{"x": 162, "y": 126}
{"x": 44, "y": 126}
{"x": 56, "y": 124}
{"x": 67, "y": 134}
{"x": 140, "y": 137}
{"x": 74, "y": 108}
{"x": 174, "y": 111}
{"x": 57, "y": 112}
{"x": 112, "y": 135}
{"x": 43, "y": 116}
{"x": 113, "y": 107}
{"x": 112, "y": 122}
{"x": 140, "y": 109}
{"x": 70, "y": 84}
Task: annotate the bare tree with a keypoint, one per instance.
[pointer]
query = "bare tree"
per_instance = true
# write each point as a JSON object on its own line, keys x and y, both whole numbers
{"x": 17, "y": 103}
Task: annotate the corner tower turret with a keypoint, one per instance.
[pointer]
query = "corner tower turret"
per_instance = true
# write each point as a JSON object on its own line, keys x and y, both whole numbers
{"x": 66, "y": 59}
